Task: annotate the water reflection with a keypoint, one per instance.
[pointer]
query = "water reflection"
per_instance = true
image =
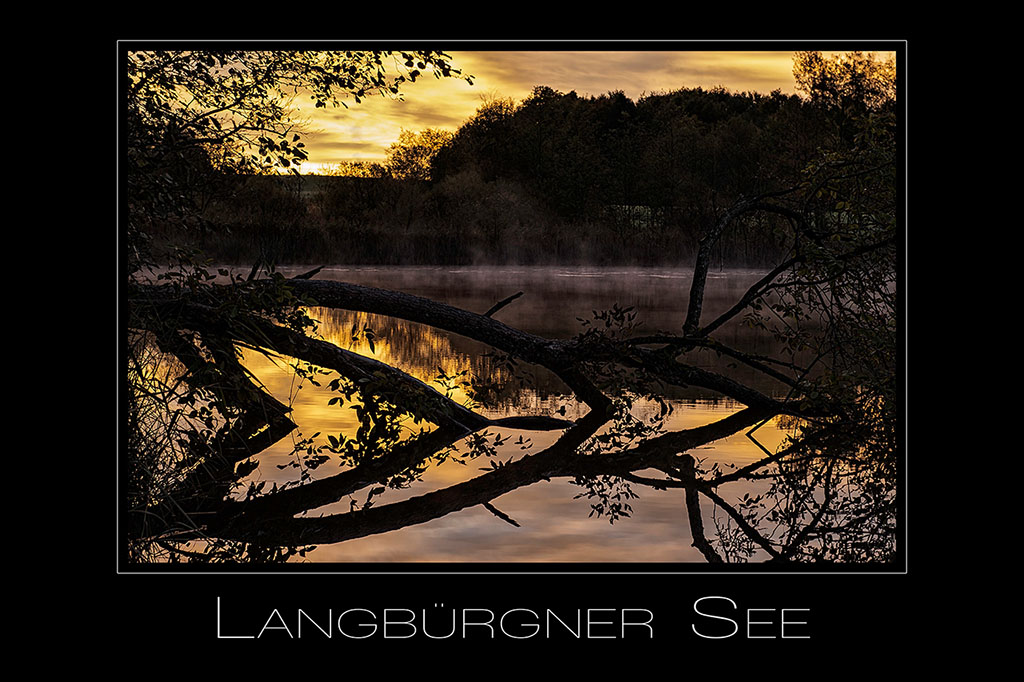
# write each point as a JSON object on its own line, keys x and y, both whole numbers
{"x": 553, "y": 525}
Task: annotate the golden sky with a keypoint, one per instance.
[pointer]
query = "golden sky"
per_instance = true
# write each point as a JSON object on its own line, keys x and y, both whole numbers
{"x": 364, "y": 131}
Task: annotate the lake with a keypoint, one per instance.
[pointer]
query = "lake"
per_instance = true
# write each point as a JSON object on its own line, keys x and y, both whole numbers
{"x": 554, "y": 527}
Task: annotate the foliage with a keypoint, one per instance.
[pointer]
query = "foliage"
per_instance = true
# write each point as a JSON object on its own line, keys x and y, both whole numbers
{"x": 194, "y": 122}
{"x": 850, "y": 81}
{"x": 838, "y": 303}
{"x": 559, "y": 178}
{"x": 192, "y": 116}
{"x": 410, "y": 157}
{"x": 847, "y": 86}
{"x": 356, "y": 169}
{"x": 810, "y": 181}
{"x": 671, "y": 149}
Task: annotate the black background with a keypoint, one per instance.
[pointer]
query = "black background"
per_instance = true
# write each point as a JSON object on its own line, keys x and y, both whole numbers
{"x": 857, "y": 620}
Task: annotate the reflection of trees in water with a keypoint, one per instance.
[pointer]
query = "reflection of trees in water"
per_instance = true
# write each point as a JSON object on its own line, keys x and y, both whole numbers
{"x": 828, "y": 495}
{"x": 499, "y": 383}
{"x": 831, "y": 498}
{"x": 827, "y": 307}
{"x": 825, "y": 502}
{"x": 426, "y": 353}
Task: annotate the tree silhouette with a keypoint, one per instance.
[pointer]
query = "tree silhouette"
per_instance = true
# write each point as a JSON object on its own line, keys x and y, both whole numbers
{"x": 410, "y": 157}
{"x": 197, "y": 421}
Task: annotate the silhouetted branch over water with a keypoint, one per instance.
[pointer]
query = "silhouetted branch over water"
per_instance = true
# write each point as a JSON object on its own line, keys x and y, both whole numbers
{"x": 591, "y": 365}
{"x": 804, "y": 185}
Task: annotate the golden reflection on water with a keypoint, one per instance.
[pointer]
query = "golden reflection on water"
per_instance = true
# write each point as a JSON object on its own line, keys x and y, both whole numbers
{"x": 554, "y": 525}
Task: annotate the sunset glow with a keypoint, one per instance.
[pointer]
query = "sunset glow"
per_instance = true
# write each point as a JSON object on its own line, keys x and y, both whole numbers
{"x": 362, "y": 132}
{"x": 598, "y": 305}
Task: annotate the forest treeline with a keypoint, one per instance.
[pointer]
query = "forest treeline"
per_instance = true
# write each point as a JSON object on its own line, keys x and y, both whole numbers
{"x": 555, "y": 178}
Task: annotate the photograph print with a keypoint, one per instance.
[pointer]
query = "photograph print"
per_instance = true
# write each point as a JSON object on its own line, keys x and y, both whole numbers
{"x": 519, "y": 306}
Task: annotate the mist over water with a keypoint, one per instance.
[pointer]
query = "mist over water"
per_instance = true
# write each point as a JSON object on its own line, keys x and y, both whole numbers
{"x": 554, "y": 525}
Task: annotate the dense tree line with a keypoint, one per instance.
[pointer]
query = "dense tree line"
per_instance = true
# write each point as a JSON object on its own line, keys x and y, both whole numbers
{"x": 561, "y": 177}
{"x": 654, "y": 170}
{"x": 581, "y": 154}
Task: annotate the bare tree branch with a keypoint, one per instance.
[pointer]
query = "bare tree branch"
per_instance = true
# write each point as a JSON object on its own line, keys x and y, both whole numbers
{"x": 500, "y": 514}
{"x": 502, "y": 303}
{"x": 693, "y": 513}
{"x": 401, "y": 388}
{"x": 310, "y": 274}
{"x": 744, "y": 526}
{"x": 537, "y": 350}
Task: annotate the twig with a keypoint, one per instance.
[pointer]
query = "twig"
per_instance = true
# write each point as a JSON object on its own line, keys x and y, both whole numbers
{"x": 310, "y": 274}
{"x": 688, "y": 474}
{"x": 500, "y": 514}
{"x": 502, "y": 303}
{"x": 747, "y": 529}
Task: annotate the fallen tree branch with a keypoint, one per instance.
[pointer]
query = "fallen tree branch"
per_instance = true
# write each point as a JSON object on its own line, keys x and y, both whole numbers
{"x": 529, "y": 347}
{"x": 548, "y": 353}
{"x": 291, "y": 501}
{"x": 551, "y": 462}
{"x": 560, "y": 460}
{"x": 395, "y": 385}
{"x": 670, "y": 371}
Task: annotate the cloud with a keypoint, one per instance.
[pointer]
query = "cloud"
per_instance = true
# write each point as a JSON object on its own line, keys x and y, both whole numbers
{"x": 352, "y": 133}
{"x": 598, "y": 72}
{"x": 342, "y": 145}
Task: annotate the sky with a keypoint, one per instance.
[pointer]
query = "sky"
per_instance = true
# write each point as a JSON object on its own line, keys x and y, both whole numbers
{"x": 362, "y": 132}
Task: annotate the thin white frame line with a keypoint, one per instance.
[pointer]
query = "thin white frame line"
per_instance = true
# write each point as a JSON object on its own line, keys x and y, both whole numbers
{"x": 157, "y": 569}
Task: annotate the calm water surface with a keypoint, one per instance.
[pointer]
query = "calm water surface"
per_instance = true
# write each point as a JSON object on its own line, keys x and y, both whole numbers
{"x": 553, "y": 525}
